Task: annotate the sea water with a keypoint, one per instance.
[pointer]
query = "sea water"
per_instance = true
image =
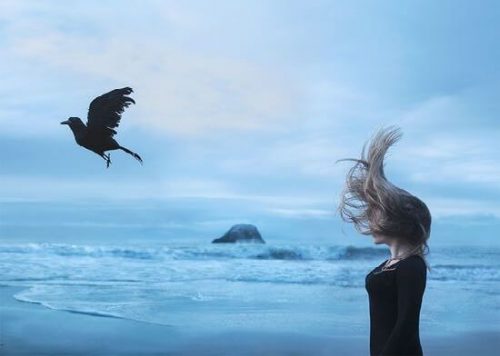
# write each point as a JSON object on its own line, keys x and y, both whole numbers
{"x": 296, "y": 288}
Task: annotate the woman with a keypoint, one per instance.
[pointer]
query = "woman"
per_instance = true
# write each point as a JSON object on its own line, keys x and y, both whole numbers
{"x": 402, "y": 221}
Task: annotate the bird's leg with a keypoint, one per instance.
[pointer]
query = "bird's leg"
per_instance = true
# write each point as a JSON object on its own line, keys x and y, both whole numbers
{"x": 108, "y": 160}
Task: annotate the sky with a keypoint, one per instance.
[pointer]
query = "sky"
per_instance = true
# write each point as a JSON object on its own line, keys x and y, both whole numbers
{"x": 242, "y": 109}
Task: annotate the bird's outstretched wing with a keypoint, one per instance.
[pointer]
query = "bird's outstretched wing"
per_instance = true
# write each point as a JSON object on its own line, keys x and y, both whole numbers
{"x": 105, "y": 110}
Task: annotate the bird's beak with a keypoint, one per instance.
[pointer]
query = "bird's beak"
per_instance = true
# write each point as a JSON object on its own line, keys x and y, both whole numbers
{"x": 65, "y": 122}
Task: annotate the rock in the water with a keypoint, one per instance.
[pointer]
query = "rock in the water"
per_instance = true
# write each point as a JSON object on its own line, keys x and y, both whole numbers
{"x": 241, "y": 233}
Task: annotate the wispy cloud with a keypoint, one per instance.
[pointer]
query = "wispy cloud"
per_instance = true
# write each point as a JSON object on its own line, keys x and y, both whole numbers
{"x": 181, "y": 90}
{"x": 449, "y": 207}
{"x": 304, "y": 213}
{"x": 22, "y": 188}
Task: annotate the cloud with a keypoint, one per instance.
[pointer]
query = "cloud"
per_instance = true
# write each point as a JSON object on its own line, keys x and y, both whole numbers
{"x": 40, "y": 188}
{"x": 179, "y": 90}
{"x": 46, "y": 188}
{"x": 485, "y": 171}
{"x": 299, "y": 206}
{"x": 450, "y": 140}
{"x": 304, "y": 213}
{"x": 449, "y": 207}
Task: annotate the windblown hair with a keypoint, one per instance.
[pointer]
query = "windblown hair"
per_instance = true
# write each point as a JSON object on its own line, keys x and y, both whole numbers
{"x": 375, "y": 205}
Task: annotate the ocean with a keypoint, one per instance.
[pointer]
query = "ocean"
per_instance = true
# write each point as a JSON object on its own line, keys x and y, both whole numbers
{"x": 297, "y": 288}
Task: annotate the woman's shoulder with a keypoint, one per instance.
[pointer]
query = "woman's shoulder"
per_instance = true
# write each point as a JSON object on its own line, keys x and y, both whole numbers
{"x": 413, "y": 264}
{"x": 415, "y": 259}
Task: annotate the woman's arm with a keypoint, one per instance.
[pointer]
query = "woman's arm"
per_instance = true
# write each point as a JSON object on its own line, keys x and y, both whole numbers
{"x": 410, "y": 279}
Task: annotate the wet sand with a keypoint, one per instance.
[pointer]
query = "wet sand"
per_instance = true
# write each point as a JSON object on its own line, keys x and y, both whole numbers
{"x": 32, "y": 329}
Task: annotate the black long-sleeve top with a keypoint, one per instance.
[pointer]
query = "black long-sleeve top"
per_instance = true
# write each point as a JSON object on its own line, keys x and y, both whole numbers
{"x": 395, "y": 298}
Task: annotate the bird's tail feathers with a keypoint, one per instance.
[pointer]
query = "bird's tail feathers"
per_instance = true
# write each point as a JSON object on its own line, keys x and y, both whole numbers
{"x": 133, "y": 154}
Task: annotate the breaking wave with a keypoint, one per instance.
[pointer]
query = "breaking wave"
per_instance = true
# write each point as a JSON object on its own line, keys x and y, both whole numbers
{"x": 237, "y": 251}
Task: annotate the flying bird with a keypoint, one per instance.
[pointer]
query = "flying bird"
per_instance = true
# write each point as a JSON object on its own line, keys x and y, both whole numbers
{"x": 103, "y": 116}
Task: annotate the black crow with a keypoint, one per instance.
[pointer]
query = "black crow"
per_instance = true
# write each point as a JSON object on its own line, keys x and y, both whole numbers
{"x": 104, "y": 115}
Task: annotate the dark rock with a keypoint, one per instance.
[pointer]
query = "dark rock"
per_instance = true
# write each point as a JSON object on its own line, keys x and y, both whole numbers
{"x": 241, "y": 233}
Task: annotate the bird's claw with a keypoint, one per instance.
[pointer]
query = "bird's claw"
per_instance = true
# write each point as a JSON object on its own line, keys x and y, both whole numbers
{"x": 108, "y": 160}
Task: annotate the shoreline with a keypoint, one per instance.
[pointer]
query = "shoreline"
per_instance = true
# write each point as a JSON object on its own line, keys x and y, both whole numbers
{"x": 30, "y": 328}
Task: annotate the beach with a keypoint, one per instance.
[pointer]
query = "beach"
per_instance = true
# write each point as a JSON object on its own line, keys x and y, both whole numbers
{"x": 243, "y": 299}
{"x": 31, "y": 329}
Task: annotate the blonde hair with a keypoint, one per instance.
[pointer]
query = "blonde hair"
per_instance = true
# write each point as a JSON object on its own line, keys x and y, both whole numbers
{"x": 375, "y": 205}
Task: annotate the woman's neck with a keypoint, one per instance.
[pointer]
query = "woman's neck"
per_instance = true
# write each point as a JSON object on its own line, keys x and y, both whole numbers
{"x": 400, "y": 249}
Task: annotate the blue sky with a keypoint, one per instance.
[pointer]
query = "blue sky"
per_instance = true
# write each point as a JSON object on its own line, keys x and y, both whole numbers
{"x": 242, "y": 110}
